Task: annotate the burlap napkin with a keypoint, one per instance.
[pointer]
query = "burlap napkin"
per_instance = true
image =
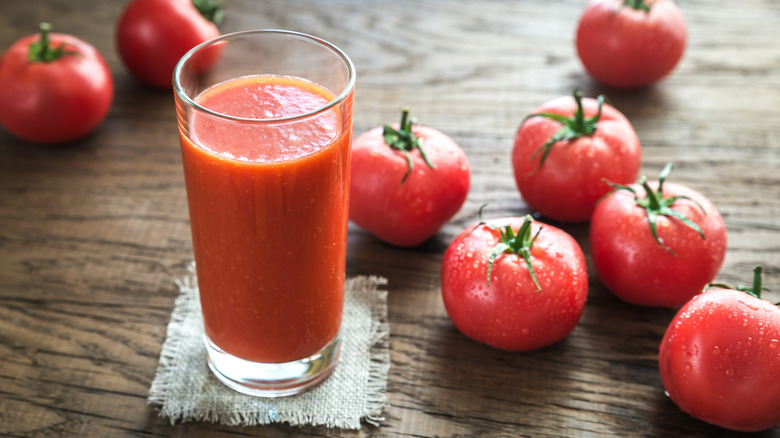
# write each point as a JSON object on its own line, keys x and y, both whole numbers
{"x": 184, "y": 388}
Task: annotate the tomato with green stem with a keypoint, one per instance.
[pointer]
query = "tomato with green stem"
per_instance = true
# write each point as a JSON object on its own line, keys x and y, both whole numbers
{"x": 152, "y": 35}
{"x": 657, "y": 248}
{"x": 565, "y": 150}
{"x": 514, "y": 284}
{"x": 720, "y": 358}
{"x": 54, "y": 88}
{"x": 407, "y": 181}
{"x": 627, "y": 44}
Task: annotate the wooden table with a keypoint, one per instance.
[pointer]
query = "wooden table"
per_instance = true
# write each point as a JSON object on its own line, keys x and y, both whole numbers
{"x": 93, "y": 234}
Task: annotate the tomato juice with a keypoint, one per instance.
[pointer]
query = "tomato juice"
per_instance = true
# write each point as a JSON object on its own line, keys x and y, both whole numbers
{"x": 268, "y": 204}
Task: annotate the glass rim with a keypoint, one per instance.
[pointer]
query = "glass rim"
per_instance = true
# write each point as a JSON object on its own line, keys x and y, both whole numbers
{"x": 348, "y": 88}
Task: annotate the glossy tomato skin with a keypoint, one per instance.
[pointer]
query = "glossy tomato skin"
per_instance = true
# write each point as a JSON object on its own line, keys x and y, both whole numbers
{"x": 152, "y": 35}
{"x": 510, "y": 314}
{"x": 634, "y": 267}
{"x": 57, "y": 101}
{"x": 626, "y": 48}
{"x": 570, "y": 181}
{"x": 720, "y": 360}
{"x": 406, "y": 214}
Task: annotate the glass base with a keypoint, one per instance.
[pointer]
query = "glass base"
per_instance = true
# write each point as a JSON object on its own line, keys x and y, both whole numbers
{"x": 272, "y": 379}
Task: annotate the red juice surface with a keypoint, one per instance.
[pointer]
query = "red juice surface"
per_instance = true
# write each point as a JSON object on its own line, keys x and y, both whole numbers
{"x": 268, "y": 208}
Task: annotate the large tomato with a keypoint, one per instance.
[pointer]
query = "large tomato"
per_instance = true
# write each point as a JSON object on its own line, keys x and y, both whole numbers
{"x": 565, "y": 150}
{"x": 630, "y": 43}
{"x": 659, "y": 249}
{"x": 407, "y": 181}
{"x": 152, "y": 35}
{"x": 54, "y": 88}
{"x": 514, "y": 284}
{"x": 720, "y": 358}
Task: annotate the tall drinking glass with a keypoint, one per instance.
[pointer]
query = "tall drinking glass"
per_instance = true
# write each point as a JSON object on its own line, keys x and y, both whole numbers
{"x": 265, "y": 121}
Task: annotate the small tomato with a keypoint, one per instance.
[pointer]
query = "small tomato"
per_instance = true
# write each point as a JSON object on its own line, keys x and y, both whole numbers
{"x": 152, "y": 35}
{"x": 514, "y": 284}
{"x": 659, "y": 249}
{"x": 720, "y": 358}
{"x": 407, "y": 181}
{"x": 54, "y": 88}
{"x": 565, "y": 150}
{"x": 629, "y": 44}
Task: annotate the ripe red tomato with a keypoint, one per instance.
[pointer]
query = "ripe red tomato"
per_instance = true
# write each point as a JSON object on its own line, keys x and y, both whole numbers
{"x": 720, "y": 359}
{"x": 54, "y": 88}
{"x": 512, "y": 291}
{"x": 152, "y": 35}
{"x": 657, "y": 250}
{"x": 628, "y": 44}
{"x": 407, "y": 181}
{"x": 564, "y": 151}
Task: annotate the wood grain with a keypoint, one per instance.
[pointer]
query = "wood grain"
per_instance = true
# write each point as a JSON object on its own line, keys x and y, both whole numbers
{"x": 93, "y": 234}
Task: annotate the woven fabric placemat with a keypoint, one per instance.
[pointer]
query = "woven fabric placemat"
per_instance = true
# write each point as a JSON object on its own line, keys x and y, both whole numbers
{"x": 184, "y": 389}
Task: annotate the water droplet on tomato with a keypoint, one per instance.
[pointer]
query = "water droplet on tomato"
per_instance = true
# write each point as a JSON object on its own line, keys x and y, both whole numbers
{"x": 688, "y": 367}
{"x": 729, "y": 372}
{"x": 749, "y": 306}
{"x": 715, "y": 350}
{"x": 774, "y": 343}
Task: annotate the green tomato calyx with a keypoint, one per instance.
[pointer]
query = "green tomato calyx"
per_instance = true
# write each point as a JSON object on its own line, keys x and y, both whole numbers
{"x": 655, "y": 204}
{"x": 639, "y": 5}
{"x": 755, "y": 290}
{"x": 43, "y": 51}
{"x": 519, "y": 244}
{"x": 573, "y": 127}
{"x": 404, "y": 140}
{"x": 210, "y": 10}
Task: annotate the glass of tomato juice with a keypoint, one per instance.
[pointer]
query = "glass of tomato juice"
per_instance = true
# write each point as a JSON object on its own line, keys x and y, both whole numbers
{"x": 265, "y": 122}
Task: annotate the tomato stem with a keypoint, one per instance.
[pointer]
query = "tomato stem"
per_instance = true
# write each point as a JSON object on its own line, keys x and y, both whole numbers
{"x": 573, "y": 127}
{"x": 519, "y": 244}
{"x": 755, "y": 290}
{"x": 479, "y": 213}
{"x": 43, "y": 51}
{"x": 757, "y": 271}
{"x": 757, "y": 287}
{"x": 405, "y": 141}
{"x": 639, "y": 5}
{"x": 210, "y": 10}
{"x": 655, "y": 204}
